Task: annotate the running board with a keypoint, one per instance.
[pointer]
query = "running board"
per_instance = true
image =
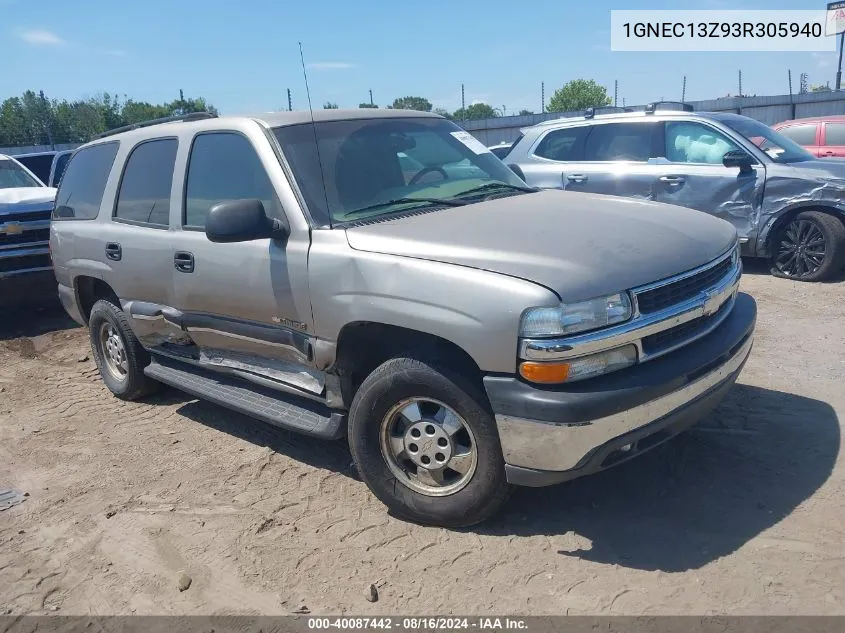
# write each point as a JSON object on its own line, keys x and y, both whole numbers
{"x": 288, "y": 412}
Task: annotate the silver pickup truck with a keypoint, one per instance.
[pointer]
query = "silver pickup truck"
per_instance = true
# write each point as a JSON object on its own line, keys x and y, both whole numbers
{"x": 381, "y": 275}
{"x": 26, "y": 275}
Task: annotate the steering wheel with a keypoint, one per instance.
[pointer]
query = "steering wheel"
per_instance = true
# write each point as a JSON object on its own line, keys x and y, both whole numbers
{"x": 427, "y": 170}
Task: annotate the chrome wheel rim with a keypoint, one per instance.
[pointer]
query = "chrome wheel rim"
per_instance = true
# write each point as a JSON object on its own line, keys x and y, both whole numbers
{"x": 801, "y": 250}
{"x": 428, "y": 446}
{"x": 113, "y": 351}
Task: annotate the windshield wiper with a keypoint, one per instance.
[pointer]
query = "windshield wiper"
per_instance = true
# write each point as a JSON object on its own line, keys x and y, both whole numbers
{"x": 497, "y": 185}
{"x": 372, "y": 207}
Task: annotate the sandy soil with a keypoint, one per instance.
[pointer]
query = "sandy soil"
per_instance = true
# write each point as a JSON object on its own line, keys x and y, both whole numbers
{"x": 744, "y": 514}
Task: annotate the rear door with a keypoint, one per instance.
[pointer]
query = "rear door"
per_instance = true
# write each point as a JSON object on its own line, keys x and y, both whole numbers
{"x": 833, "y": 139}
{"x": 808, "y": 136}
{"x": 692, "y": 174}
{"x": 616, "y": 160}
{"x": 137, "y": 242}
{"x": 552, "y": 155}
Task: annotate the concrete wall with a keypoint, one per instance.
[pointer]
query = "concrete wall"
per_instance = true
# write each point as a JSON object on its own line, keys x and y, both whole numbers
{"x": 769, "y": 110}
{"x": 31, "y": 149}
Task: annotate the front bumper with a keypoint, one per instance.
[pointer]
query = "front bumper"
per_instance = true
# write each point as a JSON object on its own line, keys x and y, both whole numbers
{"x": 549, "y": 435}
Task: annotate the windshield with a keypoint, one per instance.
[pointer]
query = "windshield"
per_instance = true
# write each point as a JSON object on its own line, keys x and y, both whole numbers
{"x": 13, "y": 175}
{"x": 779, "y": 148}
{"x": 377, "y": 167}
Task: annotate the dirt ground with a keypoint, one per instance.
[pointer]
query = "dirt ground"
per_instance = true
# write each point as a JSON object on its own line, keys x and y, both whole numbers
{"x": 745, "y": 514}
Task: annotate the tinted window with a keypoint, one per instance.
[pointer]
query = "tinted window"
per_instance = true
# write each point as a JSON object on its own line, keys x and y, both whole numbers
{"x": 224, "y": 166}
{"x": 566, "y": 144}
{"x": 689, "y": 142}
{"x": 12, "y": 176}
{"x": 801, "y": 134}
{"x": 38, "y": 164}
{"x": 61, "y": 164}
{"x": 144, "y": 194}
{"x": 84, "y": 181}
{"x": 834, "y": 134}
{"x": 620, "y": 141}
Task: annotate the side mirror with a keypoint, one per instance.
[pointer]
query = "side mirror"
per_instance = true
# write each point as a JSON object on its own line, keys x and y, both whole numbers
{"x": 738, "y": 158}
{"x": 241, "y": 221}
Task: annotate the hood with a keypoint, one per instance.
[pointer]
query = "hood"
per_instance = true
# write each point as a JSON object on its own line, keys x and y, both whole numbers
{"x": 579, "y": 245}
{"x": 27, "y": 195}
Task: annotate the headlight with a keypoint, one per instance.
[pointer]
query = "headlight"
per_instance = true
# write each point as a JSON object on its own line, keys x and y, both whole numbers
{"x": 576, "y": 317}
{"x": 579, "y": 368}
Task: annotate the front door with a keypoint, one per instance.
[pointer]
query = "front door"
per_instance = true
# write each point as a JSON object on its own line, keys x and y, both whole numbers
{"x": 833, "y": 140}
{"x": 692, "y": 175}
{"x": 238, "y": 300}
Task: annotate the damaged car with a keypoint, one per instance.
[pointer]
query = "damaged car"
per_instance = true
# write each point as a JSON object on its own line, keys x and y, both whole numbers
{"x": 787, "y": 205}
{"x": 380, "y": 275}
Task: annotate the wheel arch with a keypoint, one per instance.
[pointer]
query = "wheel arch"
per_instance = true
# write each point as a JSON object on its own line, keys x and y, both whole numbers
{"x": 89, "y": 290}
{"x": 364, "y": 345}
{"x": 770, "y": 230}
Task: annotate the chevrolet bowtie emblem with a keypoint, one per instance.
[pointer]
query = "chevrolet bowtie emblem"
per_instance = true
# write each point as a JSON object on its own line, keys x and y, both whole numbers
{"x": 13, "y": 229}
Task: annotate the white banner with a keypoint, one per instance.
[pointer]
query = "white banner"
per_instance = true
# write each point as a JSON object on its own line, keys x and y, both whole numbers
{"x": 718, "y": 30}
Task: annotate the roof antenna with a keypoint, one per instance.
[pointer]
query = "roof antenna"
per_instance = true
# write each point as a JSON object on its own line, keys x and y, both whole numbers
{"x": 316, "y": 141}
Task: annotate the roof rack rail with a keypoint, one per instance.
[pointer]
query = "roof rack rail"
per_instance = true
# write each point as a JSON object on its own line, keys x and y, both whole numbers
{"x": 192, "y": 116}
{"x": 683, "y": 106}
{"x": 589, "y": 113}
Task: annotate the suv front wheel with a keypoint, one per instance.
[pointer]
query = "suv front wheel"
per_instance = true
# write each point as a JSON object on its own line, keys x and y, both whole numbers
{"x": 809, "y": 247}
{"x": 426, "y": 444}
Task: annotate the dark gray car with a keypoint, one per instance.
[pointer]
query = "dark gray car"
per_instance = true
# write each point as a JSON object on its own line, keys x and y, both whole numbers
{"x": 786, "y": 205}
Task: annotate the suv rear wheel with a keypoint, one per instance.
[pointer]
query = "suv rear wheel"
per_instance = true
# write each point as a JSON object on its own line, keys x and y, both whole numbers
{"x": 117, "y": 352}
{"x": 426, "y": 444}
{"x": 809, "y": 247}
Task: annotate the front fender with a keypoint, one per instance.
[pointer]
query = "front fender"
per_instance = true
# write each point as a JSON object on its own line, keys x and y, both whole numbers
{"x": 477, "y": 310}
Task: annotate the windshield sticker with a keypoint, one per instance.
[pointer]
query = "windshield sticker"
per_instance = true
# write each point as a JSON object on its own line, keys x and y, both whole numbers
{"x": 471, "y": 142}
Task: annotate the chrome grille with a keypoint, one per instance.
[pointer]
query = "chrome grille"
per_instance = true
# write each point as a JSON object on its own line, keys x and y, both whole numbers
{"x": 662, "y": 297}
{"x": 27, "y": 237}
{"x": 681, "y": 334}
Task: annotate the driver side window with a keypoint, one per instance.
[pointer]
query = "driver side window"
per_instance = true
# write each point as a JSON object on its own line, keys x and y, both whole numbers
{"x": 690, "y": 142}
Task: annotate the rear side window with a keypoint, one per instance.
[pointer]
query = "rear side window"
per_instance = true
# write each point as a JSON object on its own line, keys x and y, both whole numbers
{"x": 620, "y": 142}
{"x": 224, "y": 166}
{"x": 84, "y": 181}
{"x": 59, "y": 169}
{"x": 802, "y": 134}
{"x": 564, "y": 145}
{"x": 144, "y": 195}
{"x": 834, "y": 134}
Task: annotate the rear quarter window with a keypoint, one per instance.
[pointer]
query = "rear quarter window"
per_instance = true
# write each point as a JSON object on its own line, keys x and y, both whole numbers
{"x": 801, "y": 134}
{"x": 84, "y": 182}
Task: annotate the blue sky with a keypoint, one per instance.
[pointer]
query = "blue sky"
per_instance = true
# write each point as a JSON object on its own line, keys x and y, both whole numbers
{"x": 243, "y": 56}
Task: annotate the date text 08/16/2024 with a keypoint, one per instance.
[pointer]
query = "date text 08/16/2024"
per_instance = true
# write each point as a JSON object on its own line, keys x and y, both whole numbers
{"x": 415, "y": 623}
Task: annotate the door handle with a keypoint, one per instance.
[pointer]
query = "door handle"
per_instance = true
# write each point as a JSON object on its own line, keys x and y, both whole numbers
{"x": 114, "y": 252}
{"x": 828, "y": 153}
{"x": 672, "y": 180}
{"x": 576, "y": 178}
{"x": 184, "y": 262}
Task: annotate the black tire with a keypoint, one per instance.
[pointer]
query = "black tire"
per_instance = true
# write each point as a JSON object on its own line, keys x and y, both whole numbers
{"x": 402, "y": 378}
{"x": 133, "y": 384}
{"x": 816, "y": 230}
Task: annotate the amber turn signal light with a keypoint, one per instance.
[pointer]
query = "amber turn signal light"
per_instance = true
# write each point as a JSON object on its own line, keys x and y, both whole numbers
{"x": 546, "y": 373}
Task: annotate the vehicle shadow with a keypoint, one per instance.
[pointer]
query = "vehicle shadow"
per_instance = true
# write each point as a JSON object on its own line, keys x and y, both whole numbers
{"x": 697, "y": 498}
{"x": 333, "y": 456}
{"x": 31, "y": 322}
{"x": 757, "y": 266}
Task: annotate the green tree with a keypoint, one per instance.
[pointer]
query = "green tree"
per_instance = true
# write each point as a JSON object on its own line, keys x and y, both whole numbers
{"x": 578, "y": 94}
{"x": 412, "y": 103}
{"x": 329, "y": 105}
{"x": 367, "y": 105}
{"x": 444, "y": 113}
{"x": 475, "y": 111}
{"x": 525, "y": 112}
{"x": 820, "y": 88}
